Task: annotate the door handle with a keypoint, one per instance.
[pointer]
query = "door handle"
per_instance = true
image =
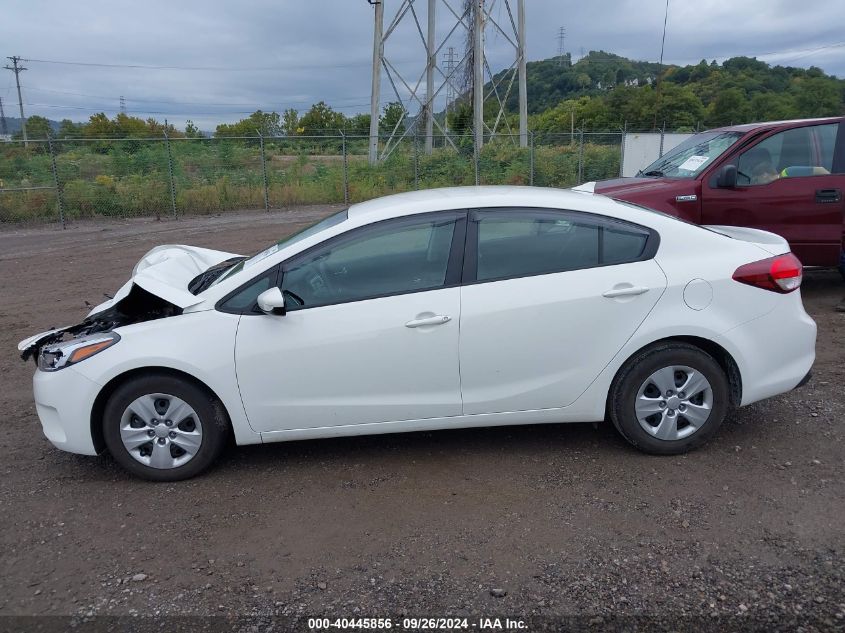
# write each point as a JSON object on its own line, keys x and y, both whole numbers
{"x": 440, "y": 319}
{"x": 630, "y": 291}
{"x": 828, "y": 195}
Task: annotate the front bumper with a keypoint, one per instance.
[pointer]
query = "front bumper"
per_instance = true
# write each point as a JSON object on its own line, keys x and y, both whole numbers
{"x": 805, "y": 379}
{"x": 63, "y": 400}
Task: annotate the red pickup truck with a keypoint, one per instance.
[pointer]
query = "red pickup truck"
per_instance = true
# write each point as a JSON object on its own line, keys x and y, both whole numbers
{"x": 787, "y": 177}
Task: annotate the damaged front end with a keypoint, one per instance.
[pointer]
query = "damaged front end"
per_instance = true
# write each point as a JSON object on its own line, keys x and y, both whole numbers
{"x": 55, "y": 348}
{"x": 164, "y": 282}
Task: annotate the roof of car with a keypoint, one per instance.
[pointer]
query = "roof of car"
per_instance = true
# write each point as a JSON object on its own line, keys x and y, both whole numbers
{"x": 749, "y": 127}
{"x": 476, "y": 197}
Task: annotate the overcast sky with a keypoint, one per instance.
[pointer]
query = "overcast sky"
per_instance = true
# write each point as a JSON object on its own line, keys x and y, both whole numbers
{"x": 238, "y": 56}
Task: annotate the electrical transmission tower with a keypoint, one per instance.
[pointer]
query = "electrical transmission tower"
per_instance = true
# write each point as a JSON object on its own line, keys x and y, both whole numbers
{"x": 468, "y": 23}
{"x": 561, "y": 51}
{"x": 4, "y": 129}
{"x": 449, "y": 66}
{"x": 18, "y": 69}
{"x": 122, "y": 105}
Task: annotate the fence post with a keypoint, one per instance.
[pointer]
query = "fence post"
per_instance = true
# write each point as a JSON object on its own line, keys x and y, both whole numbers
{"x": 345, "y": 170}
{"x": 475, "y": 162}
{"x": 264, "y": 172}
{"x": 662, "y": 134}
{"x": 622, "y": 151}
{"x": 60, "y": 202}
{"x": 581, "y": 156}
{"x": 531, "y": 158}
{"x": 170, "y": 171}
{"x": 416, "y": 163}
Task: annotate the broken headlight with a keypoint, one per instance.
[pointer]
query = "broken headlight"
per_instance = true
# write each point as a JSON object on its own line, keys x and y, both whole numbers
{"x": 56, "y": 356}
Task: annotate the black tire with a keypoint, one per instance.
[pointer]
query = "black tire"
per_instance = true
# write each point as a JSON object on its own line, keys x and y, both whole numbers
{"x": 214, "y": 423}
{"x": 637, "y": 370}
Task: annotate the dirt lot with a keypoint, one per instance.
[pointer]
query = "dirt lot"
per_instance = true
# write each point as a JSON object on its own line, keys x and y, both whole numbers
{"x": 563, "y": 520}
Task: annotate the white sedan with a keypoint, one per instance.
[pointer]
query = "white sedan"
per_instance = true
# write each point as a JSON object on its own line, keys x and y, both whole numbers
{"x": 450, "y": 308}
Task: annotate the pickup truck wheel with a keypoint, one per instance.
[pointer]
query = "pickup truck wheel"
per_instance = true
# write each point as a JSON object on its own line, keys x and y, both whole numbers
{"x": 842, "y": 264}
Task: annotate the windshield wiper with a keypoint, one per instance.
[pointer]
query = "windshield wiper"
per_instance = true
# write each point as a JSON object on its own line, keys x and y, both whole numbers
{"x": 204, "y": 279}
{"x": 654, "y": 172}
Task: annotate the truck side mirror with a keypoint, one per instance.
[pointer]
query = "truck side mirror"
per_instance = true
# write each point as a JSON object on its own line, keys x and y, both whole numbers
{"x": 727, "y": 177}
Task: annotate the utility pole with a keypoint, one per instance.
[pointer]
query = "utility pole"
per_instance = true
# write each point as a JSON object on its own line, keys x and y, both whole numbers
{"x": 122, "y": 105}
{"x": 431, "y": 64}
{"x": 478, "y": 74}
{"x": 378, "y": 46}
{"x": 18, "y": 69}
{"x": 561, "y": 51}
{"x": 523, "y": 75}
{"x": 4, "y": 129}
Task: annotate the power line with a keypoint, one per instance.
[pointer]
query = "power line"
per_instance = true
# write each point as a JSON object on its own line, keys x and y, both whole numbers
{"x": 199, "y": 68}
{"x": 169, "y": 112}
{"x": 132, "y": 99}
{"x": 17, "y": 69}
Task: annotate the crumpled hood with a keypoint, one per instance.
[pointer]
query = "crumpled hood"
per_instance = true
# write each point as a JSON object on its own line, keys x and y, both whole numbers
{"x": 163, "y": 272}
{"x": 166, "y": 270}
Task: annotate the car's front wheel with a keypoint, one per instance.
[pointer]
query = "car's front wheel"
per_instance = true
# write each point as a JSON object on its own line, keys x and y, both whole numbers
{"x": 669, "y": 398}
{"x": 164, "y": 427}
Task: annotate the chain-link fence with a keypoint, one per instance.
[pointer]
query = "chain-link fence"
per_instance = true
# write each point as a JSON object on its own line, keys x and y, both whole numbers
{"x": 63, "y": 180}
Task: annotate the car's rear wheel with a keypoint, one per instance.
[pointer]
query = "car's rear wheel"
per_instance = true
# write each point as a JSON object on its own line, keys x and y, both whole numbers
{"x": 669, "y": 398}
{"x": 164, "y": 428}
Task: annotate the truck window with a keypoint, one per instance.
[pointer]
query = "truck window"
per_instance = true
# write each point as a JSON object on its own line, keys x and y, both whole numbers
{"x": 796, "y": 153}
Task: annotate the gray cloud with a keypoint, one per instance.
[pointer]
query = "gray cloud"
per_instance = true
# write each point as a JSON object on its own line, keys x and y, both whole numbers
{"x": 287, "y": 53}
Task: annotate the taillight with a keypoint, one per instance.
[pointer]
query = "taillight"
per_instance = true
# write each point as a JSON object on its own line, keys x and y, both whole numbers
{"x": 778, "y": 274}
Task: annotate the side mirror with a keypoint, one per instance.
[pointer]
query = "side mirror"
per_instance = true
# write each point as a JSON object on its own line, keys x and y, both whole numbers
{"x": 272, "y": 301}
{"x": 727, "y": 177}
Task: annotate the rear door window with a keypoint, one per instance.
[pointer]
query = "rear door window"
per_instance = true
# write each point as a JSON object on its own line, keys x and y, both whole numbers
{"x": 521, "y": 243}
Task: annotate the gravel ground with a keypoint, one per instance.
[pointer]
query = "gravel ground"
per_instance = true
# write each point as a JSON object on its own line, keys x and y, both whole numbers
{"x": 537, "y": 522}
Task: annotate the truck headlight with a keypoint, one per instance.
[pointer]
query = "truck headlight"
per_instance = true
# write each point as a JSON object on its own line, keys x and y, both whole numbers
{"x": 59, "y": 355}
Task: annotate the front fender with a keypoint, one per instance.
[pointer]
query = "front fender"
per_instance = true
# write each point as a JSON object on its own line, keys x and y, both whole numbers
{"x": 200, "y": 344}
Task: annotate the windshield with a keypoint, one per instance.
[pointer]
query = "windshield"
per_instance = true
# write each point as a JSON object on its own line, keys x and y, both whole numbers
{"x": 244, "y": 264}
{"x": 691, "y": 157}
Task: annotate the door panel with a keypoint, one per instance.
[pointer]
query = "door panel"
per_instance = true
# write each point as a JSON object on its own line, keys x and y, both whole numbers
{"x": 351, "y": 363}
{"x": 785, "y": 186}
{"x": 538, "y": 342}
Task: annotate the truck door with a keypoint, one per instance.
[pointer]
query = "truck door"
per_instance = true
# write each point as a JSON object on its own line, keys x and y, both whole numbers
{"x": 790, "y": 183}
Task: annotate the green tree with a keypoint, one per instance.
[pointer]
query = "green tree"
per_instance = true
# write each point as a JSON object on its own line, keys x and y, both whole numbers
{"x": 126, "y": 126}
{"x": 290, "y": 121}
{"x": 320, "y": 119}
{"x": 37, "y": 127}
{"x": 191, "y": 130}
{"x": 267, "y": 123}
{"x": 392, "y": 114}
{"x": 69, "y": 129}
{"x": 99, "y": 126}
{"x": 359, "y": 125}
